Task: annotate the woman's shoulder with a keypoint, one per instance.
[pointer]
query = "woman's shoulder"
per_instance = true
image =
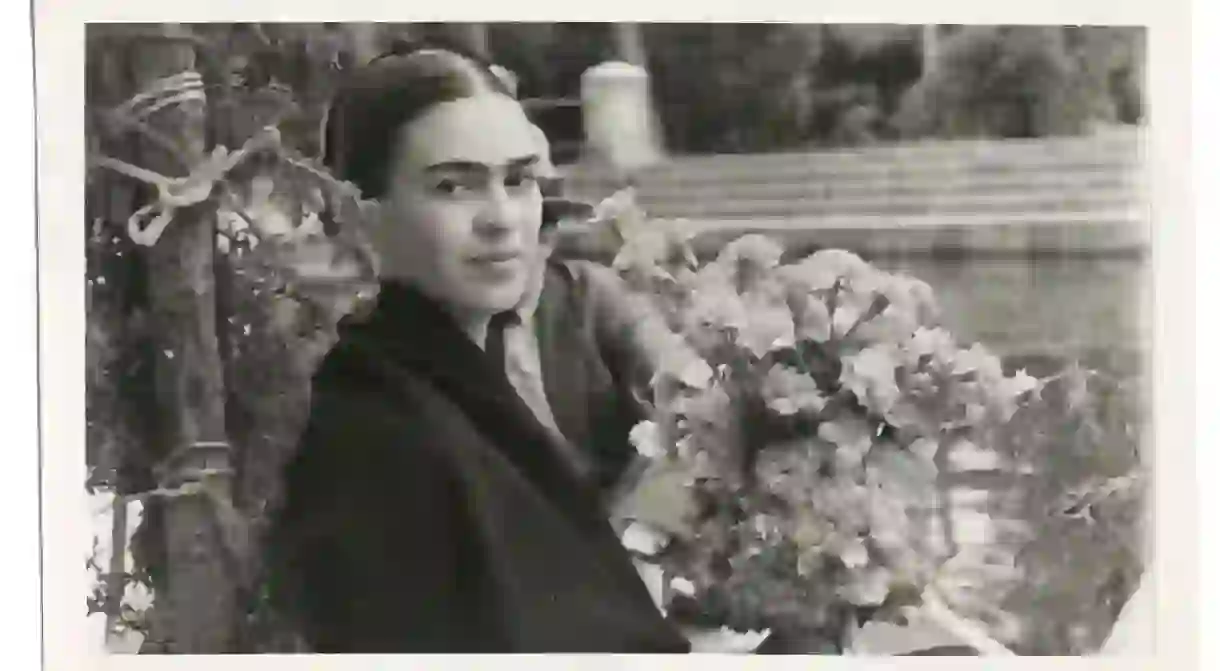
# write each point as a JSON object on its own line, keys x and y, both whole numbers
{"x": 595, "y": 288}
{"x": 591, "y": 274}
{"x": 362, "y": 402}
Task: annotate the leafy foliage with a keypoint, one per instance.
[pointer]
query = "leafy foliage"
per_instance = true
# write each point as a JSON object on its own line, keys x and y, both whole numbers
{"x": 119, "y": 603}
{"x": 727, "y": 88}
{"x": 1081, "y": 437}
{"x": 811, "y": 456}
{"x": 732, "y": 87}
{"x": 1023, "y": 81}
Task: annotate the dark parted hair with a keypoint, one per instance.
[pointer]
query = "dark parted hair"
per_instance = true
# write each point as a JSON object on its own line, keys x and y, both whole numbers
{"x": 377, "y": 99}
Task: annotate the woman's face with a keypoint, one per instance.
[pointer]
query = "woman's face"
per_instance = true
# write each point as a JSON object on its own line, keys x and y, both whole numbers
{"x": 463, "y": 206}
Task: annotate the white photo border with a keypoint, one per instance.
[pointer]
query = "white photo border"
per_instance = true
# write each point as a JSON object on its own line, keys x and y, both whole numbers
{"x": 59, "y": 59}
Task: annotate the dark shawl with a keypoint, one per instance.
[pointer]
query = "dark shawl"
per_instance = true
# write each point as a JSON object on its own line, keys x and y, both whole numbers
{"x": 427, "y": 510}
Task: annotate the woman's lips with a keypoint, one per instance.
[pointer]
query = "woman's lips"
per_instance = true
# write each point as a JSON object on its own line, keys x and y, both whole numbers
{"x": 496, "y": 257}
{"x": 498, "y": 263}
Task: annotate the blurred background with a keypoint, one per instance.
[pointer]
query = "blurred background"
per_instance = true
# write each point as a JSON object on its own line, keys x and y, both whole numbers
{"x": 970, "y": 155}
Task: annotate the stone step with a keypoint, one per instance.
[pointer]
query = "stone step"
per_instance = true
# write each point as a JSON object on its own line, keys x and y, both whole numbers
{"x": 812, "y": 170}
{"x": 1124, "y": 181}
{"x": 1067, "y": 145}
{"x": 1103, "y": 232}
{"x": 866, "y": 164}
{"x": 1121, "y": 142}
{"x": 981, "y": 206}
{"x": 930, "y": 153}
{"x": 1042, "y": 152}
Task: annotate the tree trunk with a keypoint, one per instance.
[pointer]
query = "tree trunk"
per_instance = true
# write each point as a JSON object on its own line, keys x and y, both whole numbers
{"x": 200, "y": 596}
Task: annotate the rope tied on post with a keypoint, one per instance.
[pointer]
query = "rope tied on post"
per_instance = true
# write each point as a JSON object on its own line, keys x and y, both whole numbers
{"x": 174, "y": 193}
{"x": 173, "y": 90}
{"x": 202, "y": 469}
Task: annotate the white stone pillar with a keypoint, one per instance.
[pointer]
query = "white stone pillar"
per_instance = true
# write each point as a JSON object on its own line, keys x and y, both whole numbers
{"x": 620, "y": 126}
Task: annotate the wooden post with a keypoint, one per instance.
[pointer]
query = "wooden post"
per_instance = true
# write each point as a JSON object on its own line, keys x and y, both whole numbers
{"x": 116, "y": 578}
{"x": 200, "y": 595}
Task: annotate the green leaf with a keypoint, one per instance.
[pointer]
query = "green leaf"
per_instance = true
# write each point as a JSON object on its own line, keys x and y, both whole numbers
{"x": 661, "y": 499}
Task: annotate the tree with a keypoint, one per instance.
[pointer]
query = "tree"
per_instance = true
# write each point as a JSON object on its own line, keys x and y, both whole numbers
{"x": 1024, "y": 81}
{"x": 731, "y": 87}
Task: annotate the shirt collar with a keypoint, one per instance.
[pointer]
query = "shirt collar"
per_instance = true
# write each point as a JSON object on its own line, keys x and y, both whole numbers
{"x": 529, "y": 304}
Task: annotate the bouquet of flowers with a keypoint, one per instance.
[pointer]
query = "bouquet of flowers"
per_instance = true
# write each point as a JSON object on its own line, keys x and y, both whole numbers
{"x": 798, "y": 418}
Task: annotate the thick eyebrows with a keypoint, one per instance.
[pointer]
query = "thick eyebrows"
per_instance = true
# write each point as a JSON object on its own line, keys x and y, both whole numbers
{"x": 460, "y": 166}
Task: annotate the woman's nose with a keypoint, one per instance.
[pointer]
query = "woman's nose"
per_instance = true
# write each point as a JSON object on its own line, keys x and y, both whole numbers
{"x": 495, "y": 215}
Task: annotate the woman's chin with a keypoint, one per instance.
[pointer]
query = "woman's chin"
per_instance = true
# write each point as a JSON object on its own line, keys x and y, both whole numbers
{"x": 495, "y": 299}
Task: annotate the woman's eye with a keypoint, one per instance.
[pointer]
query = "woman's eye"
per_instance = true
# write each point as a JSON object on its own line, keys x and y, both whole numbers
{"x": 519, "y": 179}
{"x": 447, "y": 187}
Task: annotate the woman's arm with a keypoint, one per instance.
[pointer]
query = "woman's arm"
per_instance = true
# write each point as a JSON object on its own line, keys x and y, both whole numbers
{"x": 630, "y": 331}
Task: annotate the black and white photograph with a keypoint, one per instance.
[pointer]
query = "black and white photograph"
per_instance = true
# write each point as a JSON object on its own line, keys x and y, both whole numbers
{"x": 747, "y": 338}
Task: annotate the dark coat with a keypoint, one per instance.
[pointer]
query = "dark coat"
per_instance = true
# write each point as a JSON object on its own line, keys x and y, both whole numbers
{"x": 427, "y": 510}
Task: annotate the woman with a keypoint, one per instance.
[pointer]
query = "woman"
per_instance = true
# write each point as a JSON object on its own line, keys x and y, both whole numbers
{"x": 428, "y": 509}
